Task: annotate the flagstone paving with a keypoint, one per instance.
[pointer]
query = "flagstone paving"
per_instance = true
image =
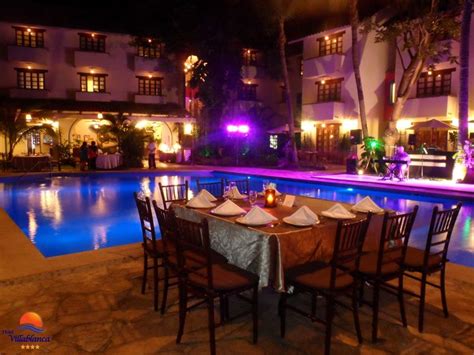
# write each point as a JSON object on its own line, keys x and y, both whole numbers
{"x": 101, "y": 310}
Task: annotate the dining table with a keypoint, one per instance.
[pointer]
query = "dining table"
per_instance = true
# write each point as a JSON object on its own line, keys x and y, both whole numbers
{"x": 31, "y": 162}
{"x": 109, "y": 161}
{"x": 269, "y": 250}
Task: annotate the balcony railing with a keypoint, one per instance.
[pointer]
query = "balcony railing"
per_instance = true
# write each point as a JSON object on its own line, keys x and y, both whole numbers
{"x": 92, "y": 96}
{"x": 436, "y": 106}
{"x": 91, "y": 59}
{"x": 324, "y": 110}
{"x": 28, "y": 54}
{"x": 326, "y": 65}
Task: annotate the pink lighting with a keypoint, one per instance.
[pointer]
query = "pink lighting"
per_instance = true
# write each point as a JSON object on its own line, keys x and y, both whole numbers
{"x": 232, "y": 128}
{"x": 243, "y": 128}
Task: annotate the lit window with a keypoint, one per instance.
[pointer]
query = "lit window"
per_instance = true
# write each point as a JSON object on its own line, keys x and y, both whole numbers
{"x": 150, "y": 86}
{"x": 92, "y": 82}
{"x": 249, "y": 57}
{"x": 149, "y": 49}
{"x": 248, "y": 92}
{"x": 330, "y": 44}
{"x": 91, "y": 42}
{"x": 434, "y": 83}
{"x": 30, "y": 79}
{"x": 29, "y": 37}
{"x": 329, "y": 90}
{"x": 273, "y": 141}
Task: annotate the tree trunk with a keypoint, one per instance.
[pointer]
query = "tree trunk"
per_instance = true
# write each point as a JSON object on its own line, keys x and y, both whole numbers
{"x": 356, "y": 64}
{"x": 409, "y": 78}
{"x": 292, "y": 153}
{"x": 464, "y": 73}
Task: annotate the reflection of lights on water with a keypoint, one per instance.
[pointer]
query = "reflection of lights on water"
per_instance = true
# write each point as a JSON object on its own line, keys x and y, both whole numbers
{"x": 32, "y": 225}
{"x": 99, "y": 237}
{"x": 51, "y": 205}
{"x": 145, "y": 186}
{"x": 350, "y": 189}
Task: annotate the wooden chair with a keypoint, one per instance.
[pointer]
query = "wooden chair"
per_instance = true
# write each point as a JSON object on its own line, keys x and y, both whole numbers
{"x": 433, "y": 258}
{"x": 152, "y": 248}
{"x": 330, "y": 280}
{"x": 209, "y": 280}
{"x": 377, "y": 268}
{"x": 243, "y": 185}
{"x": 174, "y": 193}
{"x": 216, "y": 188}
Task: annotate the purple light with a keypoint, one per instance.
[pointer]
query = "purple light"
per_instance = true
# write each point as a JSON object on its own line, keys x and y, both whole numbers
{"x": 232, "y": 128}
{"x": 243, "y": 128}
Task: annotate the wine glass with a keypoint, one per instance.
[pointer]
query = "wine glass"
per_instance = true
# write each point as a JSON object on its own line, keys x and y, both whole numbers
{"x": 252, "y": 197}
{"x": 265, "y": 184}
{"x": 226, "y": 192}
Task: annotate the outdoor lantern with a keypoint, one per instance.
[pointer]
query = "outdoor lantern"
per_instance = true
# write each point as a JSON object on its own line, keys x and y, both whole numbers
{"x": 270, "y": 197}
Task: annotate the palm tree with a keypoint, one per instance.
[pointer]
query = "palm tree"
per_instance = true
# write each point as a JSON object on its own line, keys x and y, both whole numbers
{"x": 464, "y": 73}
{"x": 354, "y": 14}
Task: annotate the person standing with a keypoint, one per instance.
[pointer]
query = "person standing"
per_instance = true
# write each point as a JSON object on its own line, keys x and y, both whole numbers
{"x": 92, "y": 155}
{"x": 151, "y": 154}
{"x": 83, "y": 155}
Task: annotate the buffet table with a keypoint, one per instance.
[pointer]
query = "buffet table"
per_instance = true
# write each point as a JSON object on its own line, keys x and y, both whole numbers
{"x": 267, "y": 251}
{"x": 109, "y": 161}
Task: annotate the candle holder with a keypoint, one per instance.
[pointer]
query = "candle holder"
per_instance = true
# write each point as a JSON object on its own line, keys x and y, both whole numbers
{"x": 270, "y": 198}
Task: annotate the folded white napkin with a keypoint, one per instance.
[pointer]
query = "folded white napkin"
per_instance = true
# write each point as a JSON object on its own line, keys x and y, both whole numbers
{"x": 228, "y": 208}
{"x": 289, "y": 201}
{"x": 367, "y": 205}
{"x": 210, "y": 197}
{"x": 235, "y": 193}
{"x": 200, "y": 201}
{"x": 258, "y": 216}
{"x": 337, "y": 211}
{"x": 303, "y": 216}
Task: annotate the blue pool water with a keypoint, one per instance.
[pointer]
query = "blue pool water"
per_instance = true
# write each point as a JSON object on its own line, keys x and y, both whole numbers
{"x": 70, "y": 214}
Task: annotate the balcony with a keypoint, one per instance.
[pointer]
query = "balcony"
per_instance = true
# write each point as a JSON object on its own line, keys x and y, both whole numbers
{"x": 149, "y": 99}
{"x": 248, "y": 72}
{"x": 326, "y": 65}
{"x": 93, "y": 96}
{"x": 245, "y": 105}
{"x": 148, "y": 64}
{"x": 324, "y": 110}
{"x": 28, "y": 94}
{"x": 28, "y": 54}
{"x": 91, "y": 59}
{"x": 437, "y": 106}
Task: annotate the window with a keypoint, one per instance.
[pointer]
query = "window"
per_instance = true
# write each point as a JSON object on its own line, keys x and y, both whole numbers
{"x": 274, "y": 141}
{"x": 91, "y": 42}
{"x": 249, "y": 57}
{"x": 329, "y": 90}
{"x": 29, "y": 37}
{"x": 330, "y": 44}
{"x": 248, "y": 92}
{"x": 434, "y": 83}
{"x": 92, "y": 82}
{"x": 149, "y": 49}
{"x": 30, "y": 79}
{"x": 150, "y": 86}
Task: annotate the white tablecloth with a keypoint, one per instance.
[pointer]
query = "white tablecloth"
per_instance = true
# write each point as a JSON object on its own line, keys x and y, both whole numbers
{"x": 110, "y": 161}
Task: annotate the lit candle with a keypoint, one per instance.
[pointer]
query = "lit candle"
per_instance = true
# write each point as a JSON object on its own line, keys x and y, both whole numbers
{"x": 270, "y": 200}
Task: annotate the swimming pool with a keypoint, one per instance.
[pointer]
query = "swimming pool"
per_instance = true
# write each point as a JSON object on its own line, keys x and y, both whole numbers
{"x": 70, "y": 214}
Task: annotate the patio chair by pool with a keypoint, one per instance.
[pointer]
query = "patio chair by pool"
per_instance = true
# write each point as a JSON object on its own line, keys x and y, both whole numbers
{"x": 243, "y": 185}
{"x": 332, "y": 281}
{"x": 152, "y": 248}
{"x": 174, "y": 193}
{"x": 208, "y": 280}
{"x": 433, "y": 258}
{"x": 379, "y": 267}
{"x": 216, "y": 188}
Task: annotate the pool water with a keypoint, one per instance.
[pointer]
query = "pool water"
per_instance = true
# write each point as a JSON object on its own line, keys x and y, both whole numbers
{"x": 70, "y": 214}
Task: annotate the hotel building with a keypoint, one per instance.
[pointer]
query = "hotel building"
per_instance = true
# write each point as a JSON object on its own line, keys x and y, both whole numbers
{"x": 71, "y": 78}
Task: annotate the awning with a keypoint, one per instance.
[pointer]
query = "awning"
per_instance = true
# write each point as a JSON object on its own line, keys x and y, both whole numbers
{"x": 433, "y": 124}
{"x": 283, "y": 129}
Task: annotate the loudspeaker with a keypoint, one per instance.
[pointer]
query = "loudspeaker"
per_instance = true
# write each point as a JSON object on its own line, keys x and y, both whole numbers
{"x": 412, "y": 139}
{"x": 356, "y": 136}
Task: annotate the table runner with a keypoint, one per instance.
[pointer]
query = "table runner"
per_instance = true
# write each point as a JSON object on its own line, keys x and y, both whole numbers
{"x": 269, "y": 250}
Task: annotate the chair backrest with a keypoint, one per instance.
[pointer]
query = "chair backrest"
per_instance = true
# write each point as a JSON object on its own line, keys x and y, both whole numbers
{"x": 348, "y": 248}
{"x": 394, "y": 238}
{"x": 193, "y": 239}
{"x": 167, "y": 222}
{"x": 243, "y": 185}
{"x": 216, "y": 188}
{"x": 174, "y": 193}
{"x": 439, "y": 234}
{"x": 146, "y": 220}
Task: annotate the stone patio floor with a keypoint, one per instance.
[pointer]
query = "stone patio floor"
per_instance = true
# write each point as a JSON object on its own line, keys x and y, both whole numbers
{"x": 101, "y": 310}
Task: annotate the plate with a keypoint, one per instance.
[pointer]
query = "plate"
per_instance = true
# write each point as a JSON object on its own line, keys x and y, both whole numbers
{"x": 298, "y": 224}
{"x": 226, "y": 214}
{"x": 239, "y": 220}
{"x": 380, "y": 210}
{"x": 325, "y": 214}
{"x": 207, "y": 207}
